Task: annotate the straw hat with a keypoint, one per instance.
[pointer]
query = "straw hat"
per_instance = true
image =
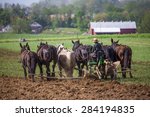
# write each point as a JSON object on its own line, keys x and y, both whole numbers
{"x": 95, "y": 40}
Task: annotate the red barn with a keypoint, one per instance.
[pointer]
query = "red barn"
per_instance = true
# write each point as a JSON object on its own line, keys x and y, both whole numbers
{"x": 125, "y": 27}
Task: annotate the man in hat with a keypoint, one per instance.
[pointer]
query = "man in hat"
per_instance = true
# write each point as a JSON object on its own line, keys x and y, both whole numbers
{"x": 98, "y": 51}
{"x": 97, "y": 46}
{"x": 100, "y": 55}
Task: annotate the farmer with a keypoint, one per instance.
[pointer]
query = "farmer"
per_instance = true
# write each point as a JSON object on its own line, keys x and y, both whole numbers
{"x": 97, "y": 50}
{"x": 99, "y": 55}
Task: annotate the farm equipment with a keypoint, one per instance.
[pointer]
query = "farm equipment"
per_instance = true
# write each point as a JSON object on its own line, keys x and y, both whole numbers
{"x": 97, "y": 68}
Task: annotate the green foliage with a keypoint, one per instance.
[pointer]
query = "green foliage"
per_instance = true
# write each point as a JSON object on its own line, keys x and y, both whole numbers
{"x": 81, "y": 19}
{"x": 4, "y": 17}
{"x": 21, "y": 25}
{"x": 145, "y": 23}
{"x": 54, "y": 24}
{"x": 101, "y": 17}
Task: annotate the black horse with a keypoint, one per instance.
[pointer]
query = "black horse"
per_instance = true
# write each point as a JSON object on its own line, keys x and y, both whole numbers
{"x": 29, "y": 59}
{"x": 81, "y": 55}
{"x": 109, "y": 53}
{"x": 46, "y": 54}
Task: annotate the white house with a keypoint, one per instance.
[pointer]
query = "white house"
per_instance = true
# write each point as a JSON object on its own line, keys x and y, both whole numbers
{"x": 36, "y": 27}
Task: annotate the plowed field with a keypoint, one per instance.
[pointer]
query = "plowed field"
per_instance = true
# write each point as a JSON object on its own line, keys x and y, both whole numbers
{"x": 18, "y": 88}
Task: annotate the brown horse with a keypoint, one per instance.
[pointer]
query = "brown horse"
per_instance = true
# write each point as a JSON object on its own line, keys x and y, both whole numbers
{"x": 46, "y": 54}
{"x": 124, "y": 55}
{"x": 29, "y": 59}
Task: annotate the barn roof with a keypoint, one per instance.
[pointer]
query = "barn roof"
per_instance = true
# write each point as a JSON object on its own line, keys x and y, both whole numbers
{"x": 121, "y": 25}
{"x": 108, "y": 30}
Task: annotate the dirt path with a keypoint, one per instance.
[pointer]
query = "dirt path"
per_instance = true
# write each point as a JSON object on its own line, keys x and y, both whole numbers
{"x": 17, "y": 88}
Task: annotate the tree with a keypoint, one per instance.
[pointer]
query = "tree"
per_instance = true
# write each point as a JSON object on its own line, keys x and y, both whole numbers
{"x": 20, "y": 25}
{"x": 81, "y": 19}
{"x": 145, "y": 24}
{"x": 100, "y": 17}
{"x": 17, "y": 11}
{"x": 55, "y": 23}
{"x": 4, "y": 17}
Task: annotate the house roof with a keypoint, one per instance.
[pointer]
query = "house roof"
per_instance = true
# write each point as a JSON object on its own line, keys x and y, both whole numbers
{"x": 35, "y": 24}
{"x": 121, "y": 25}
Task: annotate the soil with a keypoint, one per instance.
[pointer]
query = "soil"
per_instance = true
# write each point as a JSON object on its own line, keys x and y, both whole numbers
{"x": 76, "y": 89}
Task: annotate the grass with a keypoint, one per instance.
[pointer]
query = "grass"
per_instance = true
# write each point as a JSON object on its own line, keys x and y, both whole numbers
{"x": 140, "y": 44}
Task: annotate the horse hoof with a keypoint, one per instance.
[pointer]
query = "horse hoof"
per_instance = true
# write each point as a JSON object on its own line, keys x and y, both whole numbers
{"x": 41, "y": 80}
{"x": 48, "y": 79}
{"x": 25, "y": 78}
{"x": 53, "y": 74}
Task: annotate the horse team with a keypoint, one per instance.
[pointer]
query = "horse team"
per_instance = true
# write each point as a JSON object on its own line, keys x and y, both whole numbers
{"x": 80, "y": 55}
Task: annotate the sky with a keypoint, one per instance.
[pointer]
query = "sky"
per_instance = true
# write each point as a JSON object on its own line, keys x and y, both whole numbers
{"x": 24, "y": 2}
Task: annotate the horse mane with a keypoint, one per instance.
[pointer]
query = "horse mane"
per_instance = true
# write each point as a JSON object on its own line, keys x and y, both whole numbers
{"x": 122, "y": 45}
{"x": 119, "y": 44}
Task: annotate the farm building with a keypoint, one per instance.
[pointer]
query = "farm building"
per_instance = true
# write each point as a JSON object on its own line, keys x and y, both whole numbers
{"x": 125, "y": 27}
{"x": 7, "y": 28}
{"x": 36, "y": 27}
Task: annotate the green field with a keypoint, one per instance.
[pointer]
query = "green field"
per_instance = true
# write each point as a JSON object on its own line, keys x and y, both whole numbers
{"x": 140, "y": 44}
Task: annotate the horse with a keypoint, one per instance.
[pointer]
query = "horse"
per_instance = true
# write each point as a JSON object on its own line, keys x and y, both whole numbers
{"x": 124, "y": 55}
{"x": 66, "y": 60}
{"x": 29, "y": 59}
{"x": 46, "y": 54}
{"x": 81, "y": 56}
{"x": 111, "y": 69}
{"x": 109, "y": 53}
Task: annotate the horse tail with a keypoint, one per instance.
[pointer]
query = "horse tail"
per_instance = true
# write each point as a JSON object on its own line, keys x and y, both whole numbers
{"x": 73, "y": 60}
{"x": 125, "y": 62}
{"x": 28, "y": 61}
{"x": 127, "y": 58}
{"x": 31, "y": 62}
{"x": 130, "y": 58}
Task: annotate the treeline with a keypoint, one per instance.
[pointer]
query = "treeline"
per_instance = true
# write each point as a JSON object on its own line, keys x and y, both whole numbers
{"x": 75, "y": 14}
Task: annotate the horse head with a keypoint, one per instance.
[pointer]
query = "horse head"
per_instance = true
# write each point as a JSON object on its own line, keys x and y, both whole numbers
{"x": 114, "y": 43}
{"x": 84, "y": 54}
{"x": 41, "y": 45}
{"x": 60, "y": 48}
{"x": 76, "y": 44}
{"x": 24, "y": 47}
